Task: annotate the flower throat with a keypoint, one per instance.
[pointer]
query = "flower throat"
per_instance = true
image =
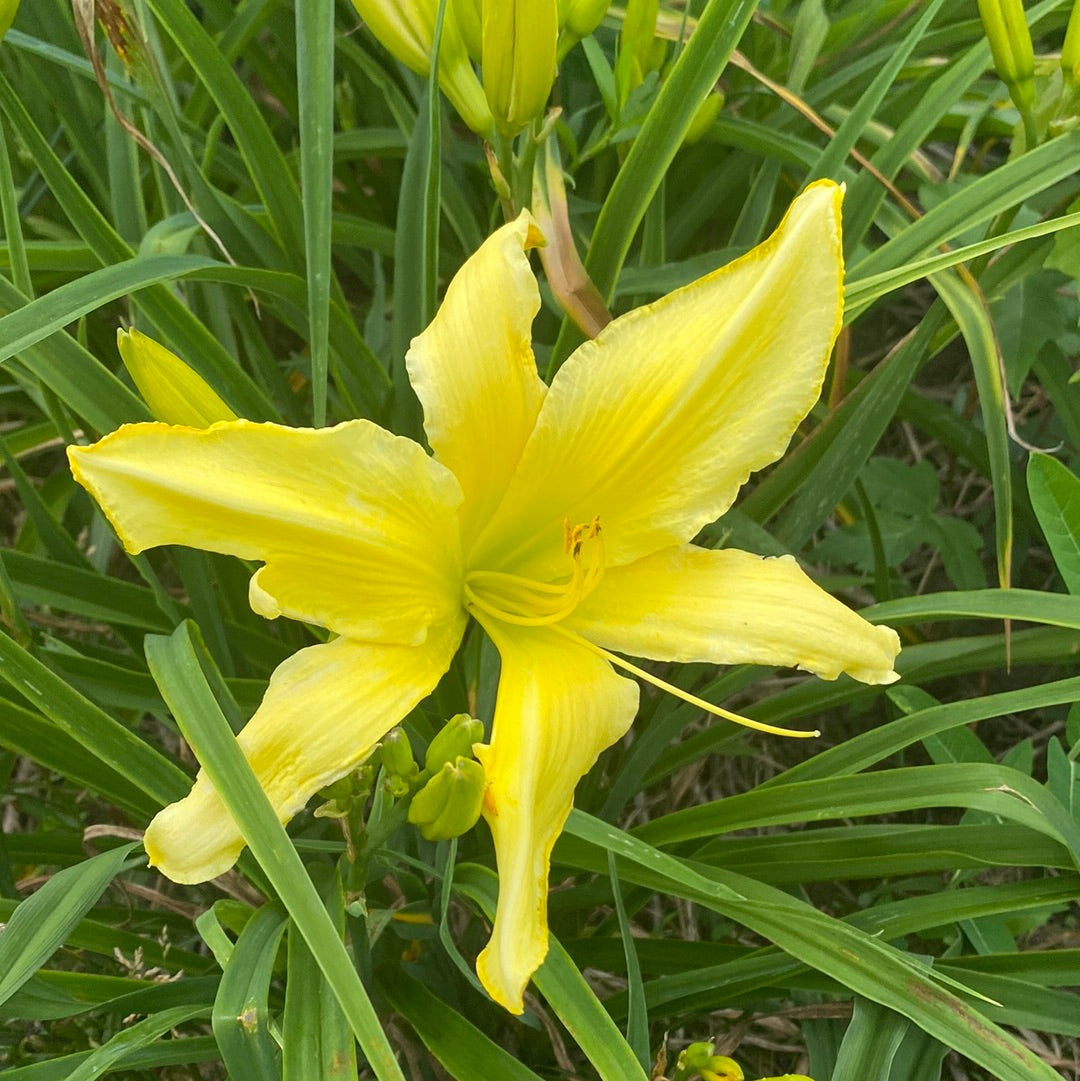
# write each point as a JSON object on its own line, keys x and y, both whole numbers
{"x": 526, "y": 602}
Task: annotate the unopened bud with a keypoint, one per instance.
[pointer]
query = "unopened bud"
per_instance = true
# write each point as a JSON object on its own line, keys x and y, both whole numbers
{"x": 396, "y": 753}
{"x": 449, "y": 804}
{"x": 1010, "y": 43}
{"x": 8, "y": 8}
{"x": 519, "y": 42}
{"x": 454, "y": 739}
{"x": 581, "y": 17}
{"x": 698, "y": 1060}
{"x": 1070, "y": 50}
{"x": 467, "y": 15}
{"x": 406, "y": 28}
{"x": 173, "y": 390}
{"x": 704, "y": 118}
{"x": 635, "y": 45}
{"x": 721, "y": 1068}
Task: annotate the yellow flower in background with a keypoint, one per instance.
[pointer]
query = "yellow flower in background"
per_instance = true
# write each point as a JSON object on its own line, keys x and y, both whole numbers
{"x": 560, "y": 518}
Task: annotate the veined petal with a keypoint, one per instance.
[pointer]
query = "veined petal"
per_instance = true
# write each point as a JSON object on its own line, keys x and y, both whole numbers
{"x": 324, "y": 710}
{"x": 357, "y": 527}
{"x": 474, "y": 372}
{"x": 696, "y": 604}
{"x": 656, "y": 423}
{"x": 559, "y": 705}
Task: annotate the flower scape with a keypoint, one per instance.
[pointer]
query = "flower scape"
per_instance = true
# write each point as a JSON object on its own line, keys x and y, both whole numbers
{"x": 560, "y": 518}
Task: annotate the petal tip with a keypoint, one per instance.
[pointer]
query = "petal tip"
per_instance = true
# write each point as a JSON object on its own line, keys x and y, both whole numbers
{"x": 507, "y": 991}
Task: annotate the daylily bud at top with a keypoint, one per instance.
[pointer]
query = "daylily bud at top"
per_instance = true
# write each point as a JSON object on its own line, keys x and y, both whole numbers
{"x": 467, "y": 15}
{"x": 1010, "y": 44}
{"x": 519, "y": 42}
{"x": 173, "y": 390}
{"x": 454, "y": 739}
{"x": 1070, "y": 51}
{"x": 449, "y": 804}
{"x": 8, "y": 8}
{"x": 581, "y": 17}
{"x": 407, "y": 29}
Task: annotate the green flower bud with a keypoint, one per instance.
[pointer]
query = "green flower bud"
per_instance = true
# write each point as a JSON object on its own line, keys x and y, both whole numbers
{"x": 8, "y": 8}
{"x": 173, "y": 390}
{"x": 449, "y": 804}
{"x": 454, "y": 739}
{"x": 1010, "y": 44}
{"x": 1070, "y": 51}
{"x": 698, "y": 1060}
{"x": 519, "y": 42}
{"x": 581, "y": 17}
{"x": 707, "y": 113}
{"x": 635, "y": 45}
{"x": 397, "y": 756}
{"x": 406, "y": 28}
{"x": 468, "y": 16}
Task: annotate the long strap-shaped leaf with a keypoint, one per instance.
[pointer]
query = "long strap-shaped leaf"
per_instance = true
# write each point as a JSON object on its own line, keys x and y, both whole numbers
{"x": 175, "y": 666}
{"x": 859, "y": 961}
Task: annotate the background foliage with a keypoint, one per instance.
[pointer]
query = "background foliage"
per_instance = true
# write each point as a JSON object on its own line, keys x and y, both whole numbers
{"x": 895, "y": 902}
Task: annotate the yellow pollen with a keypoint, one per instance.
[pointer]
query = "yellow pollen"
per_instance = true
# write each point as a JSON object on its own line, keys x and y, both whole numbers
{"x": 527, "y": 602}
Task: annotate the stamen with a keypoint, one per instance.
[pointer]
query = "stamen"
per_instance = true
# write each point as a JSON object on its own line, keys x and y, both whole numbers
{"x": 526, "y": 602}
{"x": 678, "y": 692}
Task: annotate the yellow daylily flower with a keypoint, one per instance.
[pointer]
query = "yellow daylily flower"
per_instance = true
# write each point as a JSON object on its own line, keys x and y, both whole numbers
{"x": 560, "y": 518}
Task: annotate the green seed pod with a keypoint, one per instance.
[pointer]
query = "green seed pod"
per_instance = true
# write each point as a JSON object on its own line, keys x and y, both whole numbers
{"x": 449, "y": 804}
{"x": 455, "y": 738}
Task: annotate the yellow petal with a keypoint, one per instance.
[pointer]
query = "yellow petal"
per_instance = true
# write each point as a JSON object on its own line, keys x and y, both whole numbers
{"x": 730, "y": 607}
{"x": 324, "y": 710}
{"x": 357, "y": 527}
{"x": 656, "y": 423}
{"x": 474, "y": 372}
{"x": 559, "y": 705}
